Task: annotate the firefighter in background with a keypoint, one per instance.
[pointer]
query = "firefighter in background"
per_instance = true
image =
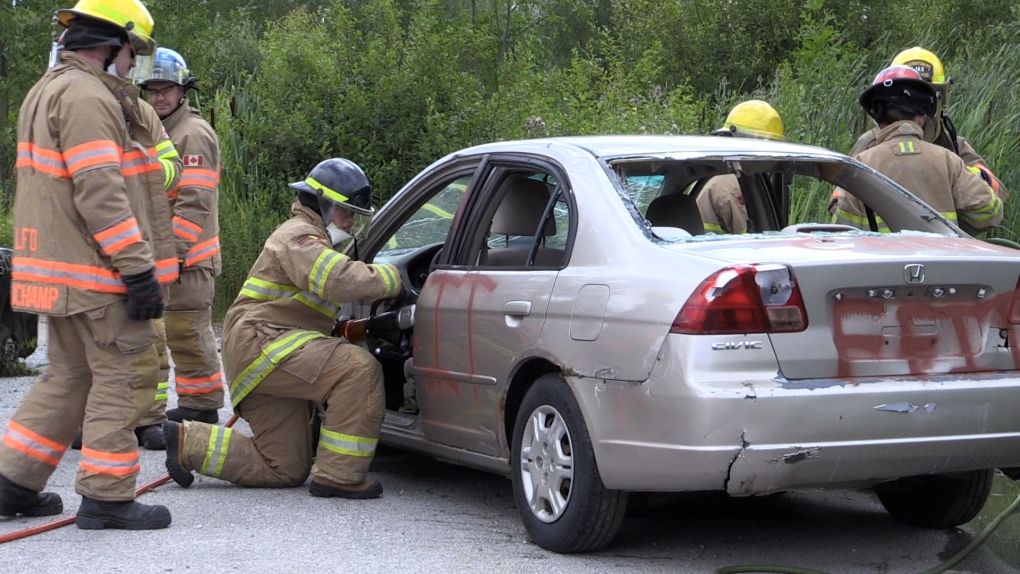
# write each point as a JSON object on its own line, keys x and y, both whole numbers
{"x": 941, "y": 129}
{"x": 281, "y": 360}
{"x": 902, "y": 103}
{"x": 194, "y": 201}
{"x": 87, "y": 235}
{"x": 720, "y": 202}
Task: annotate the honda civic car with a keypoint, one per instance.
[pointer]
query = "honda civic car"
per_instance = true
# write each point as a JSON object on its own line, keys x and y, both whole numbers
{"x": 577, "y": 329}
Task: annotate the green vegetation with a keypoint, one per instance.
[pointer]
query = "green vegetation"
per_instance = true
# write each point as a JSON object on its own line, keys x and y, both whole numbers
{"x": 1005, "y": 541}
{"x": 397, "y": 84}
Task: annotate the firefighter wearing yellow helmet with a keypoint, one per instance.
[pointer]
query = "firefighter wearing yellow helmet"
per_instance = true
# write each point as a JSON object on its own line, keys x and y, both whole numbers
{"x": 942, "y": 131}
{"x": 720, "y": 202}
{"x": 93, "y": 249}
{"x": 901, "y": 102}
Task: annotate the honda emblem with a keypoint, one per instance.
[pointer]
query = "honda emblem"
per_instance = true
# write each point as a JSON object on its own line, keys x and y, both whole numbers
{"x": 913, "y": 273}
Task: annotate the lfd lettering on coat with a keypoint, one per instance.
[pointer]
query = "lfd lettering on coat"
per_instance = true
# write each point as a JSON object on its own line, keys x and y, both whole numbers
{"x": 39, "y": 297}
{"x": 26, "y": 238}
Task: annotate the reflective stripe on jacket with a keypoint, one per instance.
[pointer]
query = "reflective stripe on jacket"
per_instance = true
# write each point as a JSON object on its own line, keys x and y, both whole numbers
{"x": 934, "y": 174}
{"x": 84, "y": 212}
{"x": 292, "y": 296}
{"x": 194, "y": 199}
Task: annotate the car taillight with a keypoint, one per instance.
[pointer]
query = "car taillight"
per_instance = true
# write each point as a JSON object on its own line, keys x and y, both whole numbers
{"x": 761, "y": 298}
{"x": 1014, "y": 307}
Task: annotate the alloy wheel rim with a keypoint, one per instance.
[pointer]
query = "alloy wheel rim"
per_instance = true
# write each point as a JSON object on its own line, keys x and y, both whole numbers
{"x": 547, "y": 464}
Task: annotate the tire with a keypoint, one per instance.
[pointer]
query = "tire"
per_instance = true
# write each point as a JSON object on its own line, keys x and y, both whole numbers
{"x": 563, "y": 503}
{"x": 936, "y": 501}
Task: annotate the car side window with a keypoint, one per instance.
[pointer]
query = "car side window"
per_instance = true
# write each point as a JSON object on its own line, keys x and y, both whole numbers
{"x": 526, "y": 226}
{"x": 430, "y": 223}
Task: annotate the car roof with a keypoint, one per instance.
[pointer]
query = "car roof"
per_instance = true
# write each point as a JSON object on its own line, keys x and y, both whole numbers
{"x": 607, "y": 146}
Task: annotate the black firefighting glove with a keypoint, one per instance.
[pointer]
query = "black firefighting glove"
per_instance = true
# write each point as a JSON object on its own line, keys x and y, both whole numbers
{"x": 145, "y": 296}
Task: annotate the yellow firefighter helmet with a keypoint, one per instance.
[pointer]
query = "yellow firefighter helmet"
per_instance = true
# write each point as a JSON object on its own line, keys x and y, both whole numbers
{"x": 129, "y": 15}
{"x": 754, "y": 118}
{"x": 926, "y": 63}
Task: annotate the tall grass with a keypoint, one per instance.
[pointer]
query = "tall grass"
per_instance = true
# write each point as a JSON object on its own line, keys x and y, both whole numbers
{"x": 248, "y": 213}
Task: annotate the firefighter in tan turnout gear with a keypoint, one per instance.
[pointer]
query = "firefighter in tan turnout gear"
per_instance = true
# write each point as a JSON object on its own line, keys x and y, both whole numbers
{"x": 188, "y": 317}
{"x": 87, "y": 235}
{"x": 280, "y": 359}
{"x": 902, "y": 103}
{"x": 720, "y": 202}
{"x": 940, "y": 130}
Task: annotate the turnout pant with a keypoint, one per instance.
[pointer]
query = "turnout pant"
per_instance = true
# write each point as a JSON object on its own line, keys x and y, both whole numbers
{"x": 345, "y": 377}
{"x": 102, "y": 375}
{"x": 198, "y": 377}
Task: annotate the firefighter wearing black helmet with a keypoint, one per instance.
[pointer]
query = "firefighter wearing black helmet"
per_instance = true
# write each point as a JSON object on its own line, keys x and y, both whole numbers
{"x": 280, "y": 359}
{"x": 902, "y": 103}
{"x": 941, "y": 129}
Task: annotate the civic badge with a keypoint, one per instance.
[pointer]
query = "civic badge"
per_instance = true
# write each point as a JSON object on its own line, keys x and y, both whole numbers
{"x": 913, "y": 273}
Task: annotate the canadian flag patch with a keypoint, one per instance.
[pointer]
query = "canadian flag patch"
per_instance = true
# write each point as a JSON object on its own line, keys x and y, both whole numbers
{"x": 193, "y": 161}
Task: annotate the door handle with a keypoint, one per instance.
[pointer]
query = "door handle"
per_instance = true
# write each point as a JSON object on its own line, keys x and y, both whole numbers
{"x": 517, "y": 308}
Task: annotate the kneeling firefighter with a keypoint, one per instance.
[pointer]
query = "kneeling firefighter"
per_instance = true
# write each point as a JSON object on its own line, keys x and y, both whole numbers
{"x": 281, "y": 360}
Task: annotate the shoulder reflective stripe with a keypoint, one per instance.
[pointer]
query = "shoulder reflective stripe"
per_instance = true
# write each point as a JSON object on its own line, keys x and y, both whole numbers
{"x": 265, "y": 291}
{"x": 112, "y": 463}
{"x": 319, "y": 275}
{"x": 92, "y": 154}
{"x": 166, "y": 150}
{"x": 21, "y": 439}
{"x": 198, "y": 385}
{"x": 186, "y": 229}
{"x": 118, "y": 236}
{"x": 245, "y": 382}
{"x": 56, "y": 273}
{"x": 46, "y": 161}
{"x": 216, "y": 451}
{"x": 347, "y": 444}
{"x": 202, "y": 251}
{"x": 161, "y": 390}
{"x": 390, "y": 278}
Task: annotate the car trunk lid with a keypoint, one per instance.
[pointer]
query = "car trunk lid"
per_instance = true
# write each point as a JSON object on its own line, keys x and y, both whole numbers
{"x": 891, "y": 305}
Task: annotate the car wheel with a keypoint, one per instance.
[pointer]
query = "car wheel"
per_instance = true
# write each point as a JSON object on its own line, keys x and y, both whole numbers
{"x": 936, "y": 501}
{"x": 560, "y": 495}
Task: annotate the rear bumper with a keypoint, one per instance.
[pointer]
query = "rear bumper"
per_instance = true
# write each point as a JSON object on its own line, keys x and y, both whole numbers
{"x": 758, "y": 435}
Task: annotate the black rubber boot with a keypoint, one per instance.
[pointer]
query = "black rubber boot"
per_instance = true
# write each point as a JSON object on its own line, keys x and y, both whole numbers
{"x": 328, "y": 489}
{"x": 123, "y": 515}
{"x": 151, "y": 437}
{"x": 173, "y": 435}
{"x": 15, "y": 500}
{"x": 76, "y": 443}
{"x": 181, "y": 414}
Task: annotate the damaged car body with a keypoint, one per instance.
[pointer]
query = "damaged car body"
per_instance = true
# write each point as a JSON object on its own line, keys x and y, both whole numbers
{"x": 576, "y": 329}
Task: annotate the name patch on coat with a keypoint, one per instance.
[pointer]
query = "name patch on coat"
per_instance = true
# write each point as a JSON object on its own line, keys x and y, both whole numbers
{"x": 39, "y": 298}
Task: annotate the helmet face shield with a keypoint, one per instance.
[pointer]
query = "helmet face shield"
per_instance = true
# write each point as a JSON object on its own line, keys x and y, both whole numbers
{"x": 169, "y": 66}
{"x": 142, "y": 69}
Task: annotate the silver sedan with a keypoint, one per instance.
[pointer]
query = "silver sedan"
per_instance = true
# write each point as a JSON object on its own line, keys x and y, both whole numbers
{"x": 576, "y": 328}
